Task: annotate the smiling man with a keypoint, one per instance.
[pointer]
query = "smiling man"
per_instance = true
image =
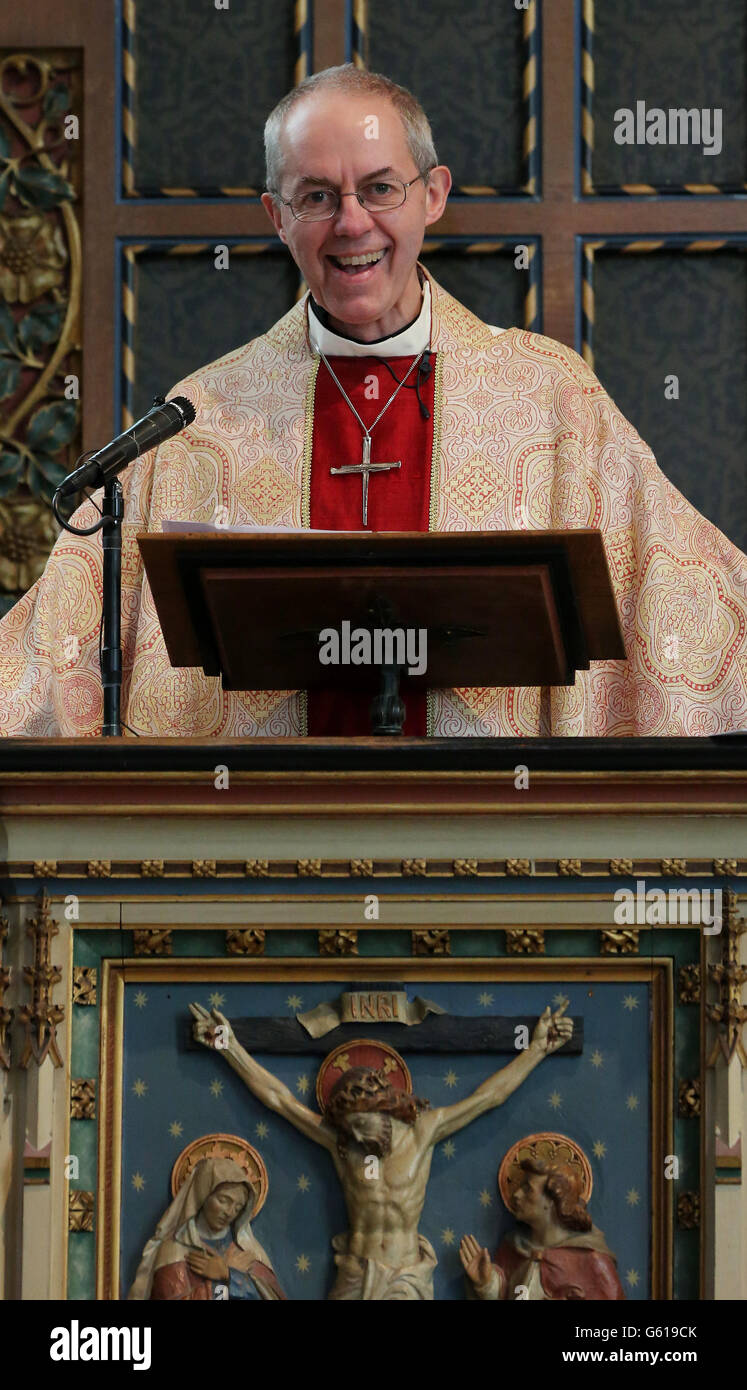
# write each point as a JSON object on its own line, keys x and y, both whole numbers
{"x": 381, "y": 402}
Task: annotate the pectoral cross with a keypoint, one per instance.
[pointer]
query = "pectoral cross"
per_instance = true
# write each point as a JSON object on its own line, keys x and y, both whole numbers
{"x": 364, "y": 469}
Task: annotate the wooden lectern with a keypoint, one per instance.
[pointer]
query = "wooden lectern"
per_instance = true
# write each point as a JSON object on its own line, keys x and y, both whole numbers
{"x": 500, "y": 608}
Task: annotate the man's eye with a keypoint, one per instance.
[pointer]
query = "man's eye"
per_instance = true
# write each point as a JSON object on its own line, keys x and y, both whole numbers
{"x": 378, "y": 189}
{"x": 317, "y": 198}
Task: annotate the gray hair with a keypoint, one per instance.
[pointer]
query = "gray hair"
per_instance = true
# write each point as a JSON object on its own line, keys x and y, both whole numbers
{"x": 349, "y": 78}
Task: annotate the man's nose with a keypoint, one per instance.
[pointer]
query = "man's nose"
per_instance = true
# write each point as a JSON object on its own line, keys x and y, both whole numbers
{"x": 351, "y": 219}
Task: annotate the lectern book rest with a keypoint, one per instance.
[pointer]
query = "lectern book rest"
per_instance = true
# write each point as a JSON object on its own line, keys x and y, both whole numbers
{"x": 522, "y": 608}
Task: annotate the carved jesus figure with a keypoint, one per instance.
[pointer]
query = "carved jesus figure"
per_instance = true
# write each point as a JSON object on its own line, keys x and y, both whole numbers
{"x": 382, "y": 1256}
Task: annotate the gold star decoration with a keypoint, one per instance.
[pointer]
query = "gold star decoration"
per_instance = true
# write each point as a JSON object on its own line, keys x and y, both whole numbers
{"x": 485, "y": 999}
{"x": 302, "y": 1084}
{"x": 596, "y": 1058}
{"x": 175, "y": 1129}
{"x": 448, "y": 1149}
{"x": 141, "y": 999}
{"x": 560, "y": 999}
{"x": 600, "y": 1149}
{"x": 303, "y": 1264}
{"x": 555, "y": 1100}
{"x": 216, "y": 1087}
{"x": 632, "y": 1197}
{"x": 630, "y": 1002}
{"x": 451, "y": 1078}
{"x": 294, "y": 1001}
{"x": 216, "y": 1000}
{"x": 632, "y": 1277}
{"x": 138, "y": 1182}
{"x": 139, "y": 1087}
{"x": 485, "y": 1198}
{"x": 632, "y": 1102}
{"x": 261, "y": 1130}
{"x": 303, "y": 1183}
{"x": 447, "y": 1236}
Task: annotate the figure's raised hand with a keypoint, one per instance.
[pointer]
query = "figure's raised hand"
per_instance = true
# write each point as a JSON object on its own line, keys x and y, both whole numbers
{"x": 206, "y": 1025}
{"x": 552, "y": 1029}
{"x": 475, "y": 1261}
{"x": 208, "y": 1266}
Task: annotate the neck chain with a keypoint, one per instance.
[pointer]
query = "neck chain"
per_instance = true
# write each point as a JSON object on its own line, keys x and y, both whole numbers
{"x": 367, "y": 429}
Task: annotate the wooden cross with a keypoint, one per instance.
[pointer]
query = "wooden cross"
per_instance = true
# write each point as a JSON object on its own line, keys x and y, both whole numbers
{"x": 364, "y": 469}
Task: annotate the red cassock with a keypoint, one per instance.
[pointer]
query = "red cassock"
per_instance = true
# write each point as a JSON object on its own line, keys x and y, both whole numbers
{"x": 566, "y": 1272}
{"x": 398, "y": 500}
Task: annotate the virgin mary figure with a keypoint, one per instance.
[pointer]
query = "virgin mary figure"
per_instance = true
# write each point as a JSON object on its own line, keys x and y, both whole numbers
{"x": 204, "y": 1244}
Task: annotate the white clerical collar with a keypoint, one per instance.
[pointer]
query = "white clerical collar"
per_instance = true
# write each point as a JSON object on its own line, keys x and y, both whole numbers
{"x": 408, "y": 343}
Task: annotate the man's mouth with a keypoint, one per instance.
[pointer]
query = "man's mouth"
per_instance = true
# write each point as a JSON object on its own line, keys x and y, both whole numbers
{"x": 361, "y": 264}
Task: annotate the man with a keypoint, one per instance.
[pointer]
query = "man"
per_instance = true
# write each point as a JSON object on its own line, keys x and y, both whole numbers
{"x": 470, "y": 427}
{"x": 382, "y": 1257}
{"x": 565, "y": 1256}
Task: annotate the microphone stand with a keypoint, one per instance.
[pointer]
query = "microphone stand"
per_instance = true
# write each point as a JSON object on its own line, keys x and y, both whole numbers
{"x": 111, "y": 647}
{"x": 110, "y": 525}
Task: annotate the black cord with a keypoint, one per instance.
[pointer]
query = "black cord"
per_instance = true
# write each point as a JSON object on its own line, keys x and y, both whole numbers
{"x": 424, "y": 371}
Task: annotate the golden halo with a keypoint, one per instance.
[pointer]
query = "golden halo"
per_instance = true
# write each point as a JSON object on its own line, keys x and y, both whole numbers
{"x": 361, "y": 1052}
{"x": 224, "y": 1146}
{"x": 557, "y": 1148}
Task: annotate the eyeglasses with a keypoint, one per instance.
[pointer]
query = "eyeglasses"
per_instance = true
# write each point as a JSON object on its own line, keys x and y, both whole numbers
{"x": 320, "y": 204}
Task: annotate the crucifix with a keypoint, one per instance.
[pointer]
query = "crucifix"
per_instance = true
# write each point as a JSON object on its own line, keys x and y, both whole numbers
{"x": 364, "y": 469}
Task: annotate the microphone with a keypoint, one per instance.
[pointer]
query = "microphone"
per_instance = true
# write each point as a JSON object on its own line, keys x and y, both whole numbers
{"x": 165, "y": 419}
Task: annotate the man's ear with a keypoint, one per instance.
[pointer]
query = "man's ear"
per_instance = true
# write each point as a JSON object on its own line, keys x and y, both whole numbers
{"x": 436, "y": 193}
{"x": 275, "y": 213}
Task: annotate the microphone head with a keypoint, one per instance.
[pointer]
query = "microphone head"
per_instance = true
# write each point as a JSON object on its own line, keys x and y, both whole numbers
{"x": 185, "y": 408}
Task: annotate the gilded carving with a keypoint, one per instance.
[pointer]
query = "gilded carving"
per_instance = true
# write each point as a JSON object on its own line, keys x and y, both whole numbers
{"x": 333, "y": 942}
{"x": 729, "y": 1014}
{"x": 519, "y": 868}
{"x": 45, "y": 868}
{"x": 621, "y": 867}
{"x": 434, "y": 942}
{"x": 520, "y": 942}
{"x": 619, "y": 943}
{"x": 414, "y": 868}
{"x": 361, "y": 868}
{"x": 203, "y": 868}
{"x": 688, "y": 1211}
{"x": 84, "y": 984}
{"x": 673, "y": 868}
{"x": 688, "y": 1099}
{"x": 688, "y": 984}
{"x": 41, "y": 1016}
{"x": 724, "y": 867}
{"x": 246, "y": 941}
{"x": 309, "y": 868}
{"x": 83, "y": 1098}
{"x": 151, "y": 868}
{"x": 466, "y": 868}
{"x": 257, "y": 868}
{"x": 569, "y": 868}
{"x": 153, "y": 941}
{"x": 80, "y": 1210}
{"x": 99, "y": 868}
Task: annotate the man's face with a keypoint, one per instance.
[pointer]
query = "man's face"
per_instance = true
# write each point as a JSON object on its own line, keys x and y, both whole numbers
{"x": 326, "y": 138}
{"x": 530, "y": 1201}
{"x": 371, "y": 1130}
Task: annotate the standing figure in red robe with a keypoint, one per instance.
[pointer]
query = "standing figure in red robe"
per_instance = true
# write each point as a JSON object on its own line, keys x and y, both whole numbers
{"x": 563, "y": 1256}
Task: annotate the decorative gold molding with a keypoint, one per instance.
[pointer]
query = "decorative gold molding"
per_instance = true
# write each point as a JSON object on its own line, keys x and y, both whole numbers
{"x": 80, "y": 1210}
{"x": 338, "y": 942}
{"x": 688, "y": 984}
{"x": 153, "y": 941}
{"x": 688, "y": 1211}
{"x": 84, "y": 984}
{"x": 246, "y": 941}
{"x": 99, "y": 868}
{"x": 6, "y": 1015}
{"x": 42, "y": 1015}
{"x": 673, "y": 868}
{"x": 620, "y": 943}
{"x": 729, "y": 1014}
{"x": 83, "y": 1098}
{"x": 453, "y": 868}
{"x": 522, "y": 942}
{"x": 432, "y": 942}
{"x": 203, "y": 868}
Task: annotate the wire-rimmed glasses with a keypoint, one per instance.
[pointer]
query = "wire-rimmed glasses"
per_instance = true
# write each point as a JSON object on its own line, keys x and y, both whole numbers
{"x": 319, "y": 204}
